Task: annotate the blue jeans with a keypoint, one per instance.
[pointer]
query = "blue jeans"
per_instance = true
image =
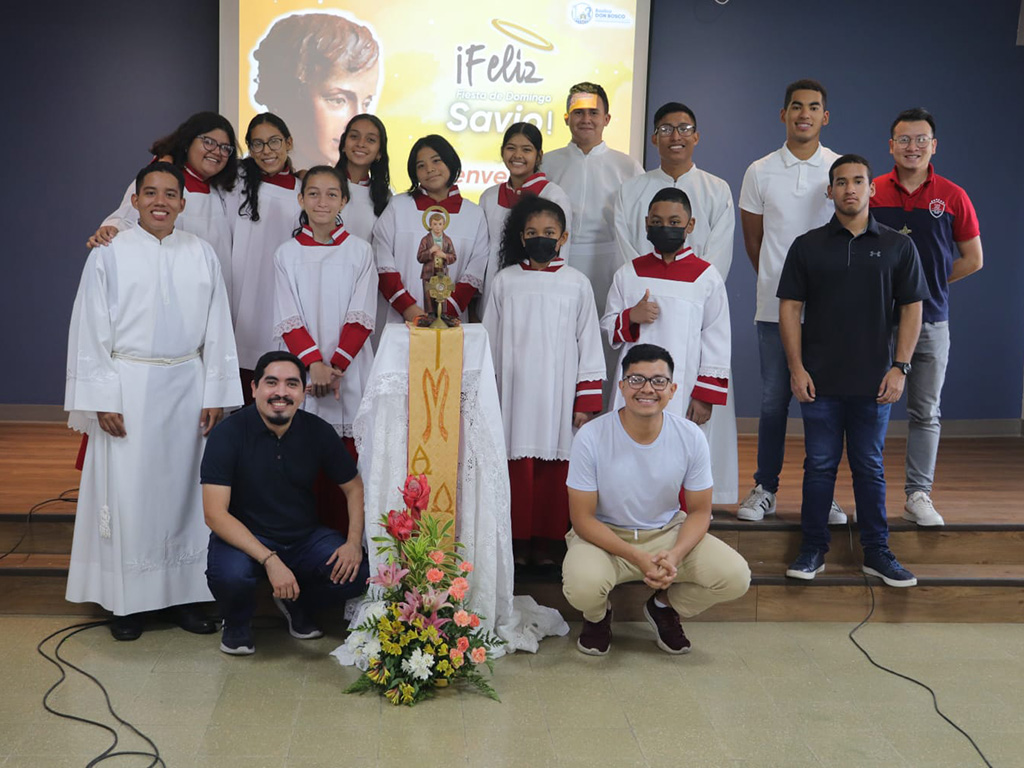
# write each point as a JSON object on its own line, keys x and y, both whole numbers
{"x": 863, "y": 422}
{"x": 233, "y": 576}
{"x": 775, "y": 397}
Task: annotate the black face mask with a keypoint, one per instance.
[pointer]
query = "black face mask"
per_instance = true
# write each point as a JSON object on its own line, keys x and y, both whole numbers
{"x": 667, "y": 240}
{"x": 541, "y": 249}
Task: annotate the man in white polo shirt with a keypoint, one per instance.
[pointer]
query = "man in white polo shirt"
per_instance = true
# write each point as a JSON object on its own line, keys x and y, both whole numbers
{"x": 783, "y": 196}
{"x": 629, "y": 471}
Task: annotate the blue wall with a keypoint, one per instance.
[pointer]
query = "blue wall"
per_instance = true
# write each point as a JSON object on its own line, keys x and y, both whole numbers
{"x": 87, "y": 90}
{"x": 731, "y": 63}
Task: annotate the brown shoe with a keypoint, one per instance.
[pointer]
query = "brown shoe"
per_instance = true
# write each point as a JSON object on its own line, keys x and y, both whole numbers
{"x": 671, "y": 638}
{"x": 596, "y": 637}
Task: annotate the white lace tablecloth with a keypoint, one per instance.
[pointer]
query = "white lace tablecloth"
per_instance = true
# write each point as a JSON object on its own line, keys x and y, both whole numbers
{"x": 483, "y": 523}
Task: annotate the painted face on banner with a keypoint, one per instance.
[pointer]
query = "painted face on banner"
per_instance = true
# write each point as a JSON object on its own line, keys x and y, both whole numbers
{"x": 334, "y": 101}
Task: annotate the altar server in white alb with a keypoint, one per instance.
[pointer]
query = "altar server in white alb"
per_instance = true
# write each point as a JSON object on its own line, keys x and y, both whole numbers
{"x": 264, "y": 213}
{"x": 365, "y": 165}
{"x": 433, "y": 167}
{"x": 546, "y": 342}
{"x": 325, "y": 300}
{"x": 676, "y": 300}
{"x": 592, "y": 174}
{"x": 521, "y": 151}
{"x": 151, "y": 365}
{"x": 203, "y": 148}
{"x": 714, "y": 222}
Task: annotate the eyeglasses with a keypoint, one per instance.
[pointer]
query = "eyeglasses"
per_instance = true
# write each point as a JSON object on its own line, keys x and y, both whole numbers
{"x": 257, "y": 145}
{"x": 636, "y": 381}
{"x": 211, "y": 144}
{"x": 683, "y": 129}
{"x": 921, "y": 141}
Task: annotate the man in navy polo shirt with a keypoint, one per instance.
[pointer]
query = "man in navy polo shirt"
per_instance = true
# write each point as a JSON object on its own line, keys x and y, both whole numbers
{"x": 940, "y": 219}
{"x": 258, "y": 474}
{"x": 853, "y": 279}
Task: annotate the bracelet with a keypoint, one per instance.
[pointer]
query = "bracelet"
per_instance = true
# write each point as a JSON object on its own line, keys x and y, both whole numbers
{"x": 265, "y": 559}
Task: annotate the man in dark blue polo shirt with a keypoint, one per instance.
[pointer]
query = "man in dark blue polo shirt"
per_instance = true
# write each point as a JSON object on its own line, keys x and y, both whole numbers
{"x": 853, "y": 279}
{"x": 258, "y": 473}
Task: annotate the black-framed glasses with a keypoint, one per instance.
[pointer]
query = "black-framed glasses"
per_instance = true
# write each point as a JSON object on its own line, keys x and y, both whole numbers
{"x": 212, "y": 144}
{"x": 683, "y": 129}
{"x": 921, "y": 141}
{"x": 275, "y": 142}
{"x": 636, "y": 381}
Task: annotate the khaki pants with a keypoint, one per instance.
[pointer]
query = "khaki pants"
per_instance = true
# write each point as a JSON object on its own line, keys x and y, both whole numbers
{"x": 713, "y": 572}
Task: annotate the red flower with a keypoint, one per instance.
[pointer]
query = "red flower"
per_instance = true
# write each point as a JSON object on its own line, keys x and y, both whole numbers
{"x": 400, "y": 525}
{"x": 416, "y": 494}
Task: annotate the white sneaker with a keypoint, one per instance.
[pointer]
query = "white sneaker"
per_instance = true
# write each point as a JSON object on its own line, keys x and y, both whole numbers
{"x": 758, "y": 503}
{"x": 836, "y": 516}
{"x": 919, "y": 509}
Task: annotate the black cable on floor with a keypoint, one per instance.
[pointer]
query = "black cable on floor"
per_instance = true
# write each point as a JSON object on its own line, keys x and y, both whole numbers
{"x": 59, "y": 661}
{"x": 935, "y": 700}
{"x": 63, "y": 497}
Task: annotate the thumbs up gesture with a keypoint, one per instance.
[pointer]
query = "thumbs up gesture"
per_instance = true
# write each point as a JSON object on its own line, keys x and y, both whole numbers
{"x": 644, "y": 311}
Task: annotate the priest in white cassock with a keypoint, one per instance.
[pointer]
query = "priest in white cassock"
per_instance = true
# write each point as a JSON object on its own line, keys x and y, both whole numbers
{"x": 151, "y": 365}
{"x": 714, "y": 222}
{"x": 592, "y": 174}
{"x": 674, "y": 299}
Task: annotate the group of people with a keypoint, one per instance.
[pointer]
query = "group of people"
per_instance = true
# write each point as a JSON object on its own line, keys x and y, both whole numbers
{"x": 210, "y": 261}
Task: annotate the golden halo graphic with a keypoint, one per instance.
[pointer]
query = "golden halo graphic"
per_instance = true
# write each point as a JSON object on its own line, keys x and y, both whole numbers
{"x": 527, "y": 36}
{"x": 427, "y": 214}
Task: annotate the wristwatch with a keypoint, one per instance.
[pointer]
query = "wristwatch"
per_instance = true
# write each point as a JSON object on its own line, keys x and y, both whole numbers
{"x": 904, "y": 367}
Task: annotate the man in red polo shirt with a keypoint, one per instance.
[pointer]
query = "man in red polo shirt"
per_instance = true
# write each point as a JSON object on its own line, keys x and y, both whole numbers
{"x": 939, "y": 217}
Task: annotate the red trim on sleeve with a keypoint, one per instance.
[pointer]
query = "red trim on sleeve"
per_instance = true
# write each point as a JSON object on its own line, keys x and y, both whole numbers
{"x": 588, "y": 397}
{"x": 353, "y": 336}
{"x": 393, "y": 290}
{"x": 710, "y": 389}
{"x": 80, "y": 460}
{"x": 461, "y": 296}
{"x": 301, "y": 344}
{"x": 625, "y": 330}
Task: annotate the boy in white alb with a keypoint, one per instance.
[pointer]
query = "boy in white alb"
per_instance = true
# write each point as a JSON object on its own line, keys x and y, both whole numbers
{"x": 783, "y": 196}
{"x": 711, "y": 238}
{"x": 672, "y": 298}
{"x": 628, "y": 473}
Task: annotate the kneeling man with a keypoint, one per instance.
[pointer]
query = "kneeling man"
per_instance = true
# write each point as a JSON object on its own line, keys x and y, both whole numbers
{"x": 258, "y": 474}
{"x": 628, "y": 472}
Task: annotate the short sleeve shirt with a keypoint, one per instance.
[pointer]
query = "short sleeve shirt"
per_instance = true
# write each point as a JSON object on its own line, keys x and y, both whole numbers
{"x": 639, "y": 486}
{"x": 851, "y": 287}
{"x": 271, "y": 478}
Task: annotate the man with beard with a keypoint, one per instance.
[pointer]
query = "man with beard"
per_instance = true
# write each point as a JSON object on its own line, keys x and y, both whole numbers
{"x": 852, "y": 280}
{"x": 258, "y": 474}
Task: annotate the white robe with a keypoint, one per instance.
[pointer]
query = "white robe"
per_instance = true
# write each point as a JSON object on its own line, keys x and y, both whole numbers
{"x": 253, "y": 246}
{"x": 323, "y": 288}
{"x": 396, "y": 239}
{"x": 206, "y": 215}
{"x": 358, "y": 212}
{"x": 497, "y": 215}
{"x": 545, "y": 339}
{"x": 712, "y": 240}
{"x": 140, "y": 539}
{"x": 592, "y": 182}
{"x": 693, "y": 325}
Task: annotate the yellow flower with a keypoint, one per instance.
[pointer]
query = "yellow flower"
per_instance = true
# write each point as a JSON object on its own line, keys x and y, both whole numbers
{"x": 432, "y": 633}
{"x": 443, "y": 666}
{"x": 407, "y": 693}
{"x": 442, "y": 649}
{"x": 428, "y": 649}
{"x": 418, "y": 622}
{"x": 395, "y": 610}
{"x": 390, "y": 648}
{"x": 392, "y": 695}
{"x": 407, "y": 638}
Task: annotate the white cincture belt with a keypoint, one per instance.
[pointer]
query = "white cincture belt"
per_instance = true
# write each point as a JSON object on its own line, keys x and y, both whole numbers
{"x": 157, "y": 360}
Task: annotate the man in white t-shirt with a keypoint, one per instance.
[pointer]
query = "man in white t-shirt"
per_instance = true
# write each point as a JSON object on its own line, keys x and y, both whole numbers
{"x": 783, "y": 196}
{"x": 629, "y": 472}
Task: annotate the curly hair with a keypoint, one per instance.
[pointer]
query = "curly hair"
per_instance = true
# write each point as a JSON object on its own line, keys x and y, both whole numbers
{"x": 176, "y": 146}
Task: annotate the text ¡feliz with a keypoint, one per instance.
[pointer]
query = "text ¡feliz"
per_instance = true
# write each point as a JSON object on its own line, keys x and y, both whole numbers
{"x": 510, "y": 66}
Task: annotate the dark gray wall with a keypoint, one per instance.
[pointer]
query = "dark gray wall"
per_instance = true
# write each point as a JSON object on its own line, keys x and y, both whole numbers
{"x": 90, "y": 85}
{"x": 731, "y": 63}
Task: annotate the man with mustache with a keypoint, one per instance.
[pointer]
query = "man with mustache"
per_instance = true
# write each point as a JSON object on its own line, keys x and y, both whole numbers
{"x": 853, "y": 280}
{"x": 258, "y": 474}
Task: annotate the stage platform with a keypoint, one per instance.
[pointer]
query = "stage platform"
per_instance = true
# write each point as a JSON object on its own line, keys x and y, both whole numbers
{"x": 971, "y": 570}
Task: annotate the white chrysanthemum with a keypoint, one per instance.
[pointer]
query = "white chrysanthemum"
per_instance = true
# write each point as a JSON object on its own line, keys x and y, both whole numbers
{"x": 374, "y": 612}
{"x": 418, "y": 664}
{"x": 372, "y": 648}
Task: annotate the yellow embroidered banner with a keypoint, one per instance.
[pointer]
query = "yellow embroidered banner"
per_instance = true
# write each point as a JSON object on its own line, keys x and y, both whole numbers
{"x": 435, "y": 388}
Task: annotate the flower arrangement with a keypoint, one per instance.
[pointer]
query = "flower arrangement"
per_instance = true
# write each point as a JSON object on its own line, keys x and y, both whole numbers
{"x": 422, "y": 637}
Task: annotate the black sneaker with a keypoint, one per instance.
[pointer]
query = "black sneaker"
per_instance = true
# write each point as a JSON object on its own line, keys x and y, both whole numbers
{"x": 237, "y": 641}
{"x": 596, "y": 637}
{"x": 671, "y": 638}
{"x": 300, "y": 626}
{"x": 191, "y": 618}
{"x": 881, "y": 562}
{"x": 128, "y": 627}
{"x": 808, "y": 564}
